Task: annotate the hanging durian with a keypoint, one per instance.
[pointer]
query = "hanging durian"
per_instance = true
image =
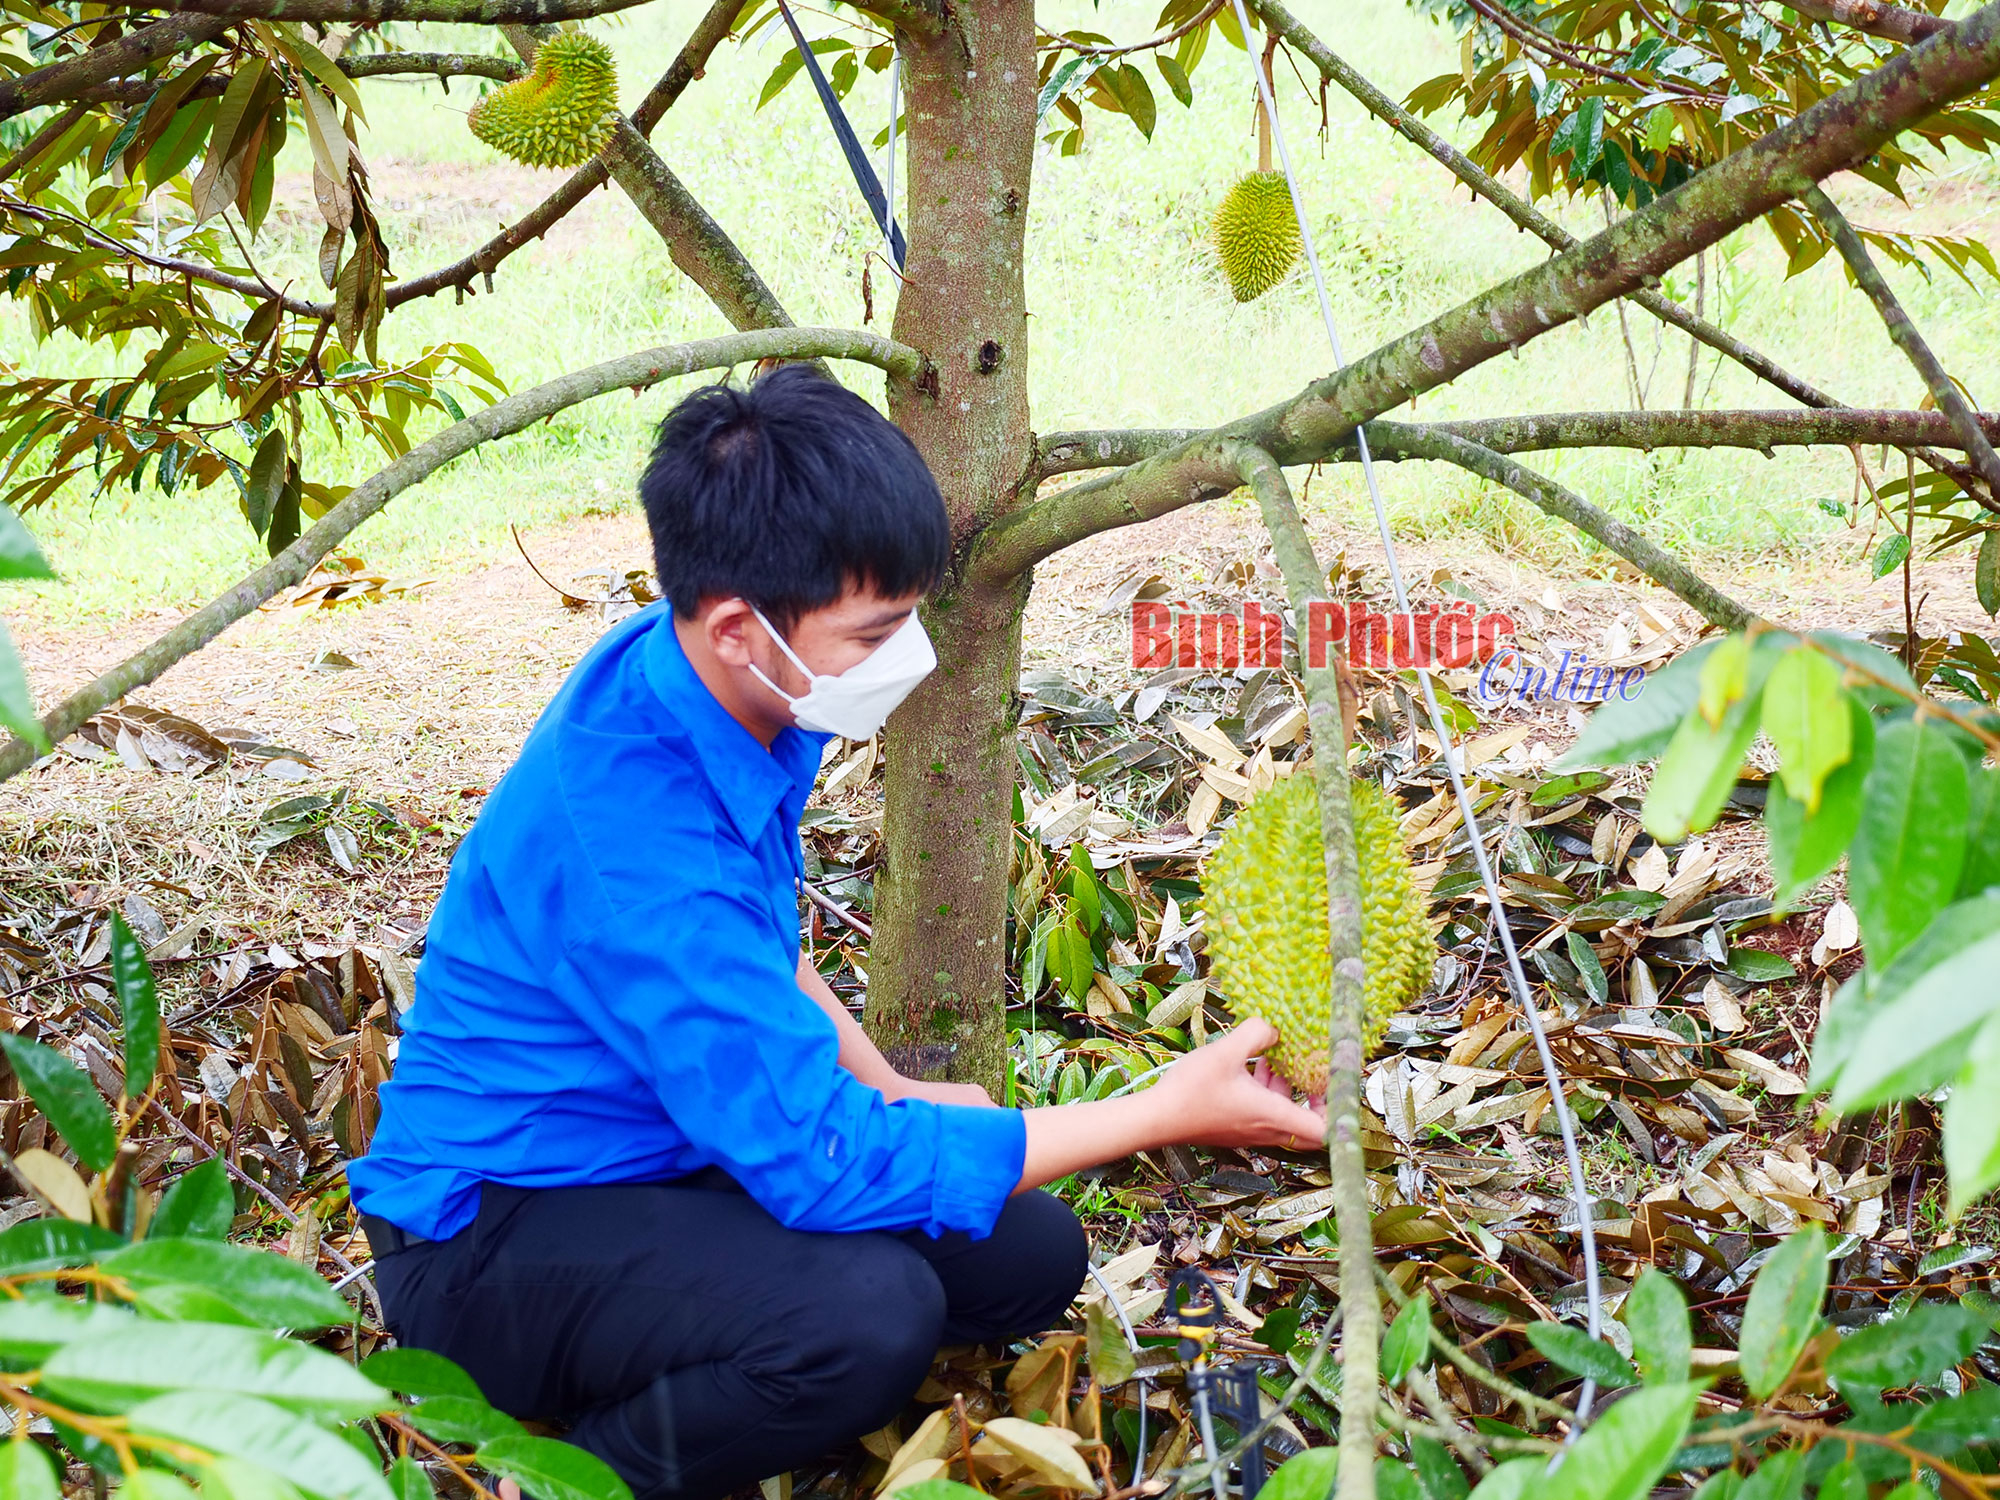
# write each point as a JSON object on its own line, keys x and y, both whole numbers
{"x": 1257, "y": 234}
{"x": 1264, "y": 889}
{"x": 561, "y": 114}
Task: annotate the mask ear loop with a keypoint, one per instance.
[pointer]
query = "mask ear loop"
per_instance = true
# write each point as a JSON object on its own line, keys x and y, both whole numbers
{"x": 784, "y": 646}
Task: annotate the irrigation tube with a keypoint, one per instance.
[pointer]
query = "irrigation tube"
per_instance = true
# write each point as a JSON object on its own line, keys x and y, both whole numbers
{"x": 1523, "y": 995}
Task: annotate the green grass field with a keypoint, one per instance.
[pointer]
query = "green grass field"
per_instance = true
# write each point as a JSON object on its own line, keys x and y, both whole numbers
{"x": 1131, "y": 325}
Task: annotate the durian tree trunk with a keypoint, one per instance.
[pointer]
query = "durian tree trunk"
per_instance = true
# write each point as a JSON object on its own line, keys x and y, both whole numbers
{"x": 1360, "y": 1311}
{"x": 937, "y": 995}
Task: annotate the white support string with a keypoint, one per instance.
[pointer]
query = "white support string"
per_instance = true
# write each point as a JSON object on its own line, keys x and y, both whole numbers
{"x": 889, "y": 171}
{"x": 1523, "y": 995}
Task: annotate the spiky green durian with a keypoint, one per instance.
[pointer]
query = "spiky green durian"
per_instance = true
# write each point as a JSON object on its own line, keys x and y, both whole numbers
{"x": 1257, "y": 234}
{"x": 560, "y": 115}
{"x": 1264, "y": 889}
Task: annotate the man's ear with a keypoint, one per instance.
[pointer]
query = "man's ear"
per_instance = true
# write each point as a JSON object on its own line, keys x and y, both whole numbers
{"x": 726, "y": 625}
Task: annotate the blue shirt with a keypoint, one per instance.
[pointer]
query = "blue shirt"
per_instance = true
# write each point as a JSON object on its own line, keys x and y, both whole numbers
{"x": 609, "y": 986}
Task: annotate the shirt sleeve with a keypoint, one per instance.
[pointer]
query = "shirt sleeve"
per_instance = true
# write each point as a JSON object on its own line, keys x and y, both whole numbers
{"x": 747, "y": 1066}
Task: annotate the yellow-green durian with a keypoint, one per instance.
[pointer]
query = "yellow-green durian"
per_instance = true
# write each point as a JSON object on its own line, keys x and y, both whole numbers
{"x": 1264, "y": 889}
{"x": 1257, "y": 234}
{"x": 560, "y": 115}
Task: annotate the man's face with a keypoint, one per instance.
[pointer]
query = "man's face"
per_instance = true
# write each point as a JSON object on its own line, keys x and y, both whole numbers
{"x": 829, "y": 640}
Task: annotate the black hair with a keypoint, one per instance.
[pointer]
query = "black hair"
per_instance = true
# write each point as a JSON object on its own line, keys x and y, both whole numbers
{"x": 786, "y": 493}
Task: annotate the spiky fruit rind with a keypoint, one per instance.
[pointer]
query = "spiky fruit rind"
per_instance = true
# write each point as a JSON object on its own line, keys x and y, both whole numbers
{"x": 561, "y": 114}
{"x": 1264, "y": 889}
{"x": 1257, "y": 234}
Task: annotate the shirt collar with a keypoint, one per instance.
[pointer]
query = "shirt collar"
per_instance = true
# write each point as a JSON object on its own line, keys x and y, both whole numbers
{"x": 751, "y": 782}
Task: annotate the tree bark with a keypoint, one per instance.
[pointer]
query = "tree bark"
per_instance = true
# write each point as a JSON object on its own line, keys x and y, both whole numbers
{"x": 1837, "y": 427}
{"x": 632, "y": 372}
{"x": 1360, "y": 1309}
{"x": 937, "y": 992}
{"x": 139, "y": 49}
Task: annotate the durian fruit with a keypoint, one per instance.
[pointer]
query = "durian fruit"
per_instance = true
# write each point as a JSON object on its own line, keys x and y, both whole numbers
{"x": 560, "y": 115}
{"x": 1257, "y": 234}
{"x": 1264, "y": 889}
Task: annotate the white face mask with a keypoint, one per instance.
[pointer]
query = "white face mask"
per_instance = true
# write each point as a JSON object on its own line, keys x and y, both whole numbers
{"x": 855, "y": 703}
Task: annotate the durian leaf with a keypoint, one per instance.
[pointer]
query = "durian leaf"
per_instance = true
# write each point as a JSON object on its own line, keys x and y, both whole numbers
{"x": 1697, "y": 772}
{"x": 1909, "y": 846}
{"x": 1806, "y": 715}
{"x": 1783, "y": 1311}
{"x": 1803, "y": 845}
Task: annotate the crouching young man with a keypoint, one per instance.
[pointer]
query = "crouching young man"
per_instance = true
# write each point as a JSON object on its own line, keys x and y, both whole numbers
{"x": 638, "y": 1170}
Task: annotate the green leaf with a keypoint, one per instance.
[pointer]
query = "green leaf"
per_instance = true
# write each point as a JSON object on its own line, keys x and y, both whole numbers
{"x": 1911, "y": 1349}
{"x": 17, "y": 704}
{"x": 138, "y": 1005}
{"x": 142, "y": 1359}
{"x": 1656, "y": 1314}
{"x": 1128, "y": 85}
{"x": 1986, "y": 572}
{"x": 1783, "y": 1311}
{"x": 45, "y": 1244}
{"x": 1081, "y": 882}
{"x": 267, "y": 477}
{"x": 1438, "y": 1473}
{"x": 1972, "y": 1121}
{"x": 1760, "y": 966}
{"x": 552, "y": 1470}
{"x": 27, "y": 1472}
{"x": 1395, "y": 1480}
{"x": 64, "y": 1093}
{"x": 315, "y": 1460}
{"x": 1058, "y": 81}
{"x": 461, "y": 1419}
{"x": 1408, "y": 1342}
{"x": 1844, "y": 1481}
{"x": 1889, "y": 556}
{"x": 1725, "y": 678}
{"x": 19, "y": 556}
{"x": 1111, "y": 1359}
{"x": 200, "y": 1205}
{"x": 1804, "y": 846}
{"x": 1782, "y": 1476}
{"x": 419, "y": 1372}
{"x": 34, "y": 1327}
{"x": 408, "y": 1480}
{"x": 1176, "y": 78}
{"x": 1806, "y": 715}
{"x": 1580, "y": 1354}
{"x": 1697, "y": 773}
{"x": 1304, "y": 1476}
{"x": 1627, "y": 1449}
{"x": 1982, "y": 834}
{"x": 1909, "y": 847}
{"x": 1512, "y": 1480}
{"x": 228, "y": 1478}
{"x": 1588, "y": 969}
{"x": 157, "y": 1484}
{"x": 199, "y": 1279}
{"x": 1917, "y": 1016}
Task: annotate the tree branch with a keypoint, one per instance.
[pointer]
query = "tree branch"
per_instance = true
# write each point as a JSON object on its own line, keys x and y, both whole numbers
{"x": 1894, "y": 23}
{"x": 1839, "y": 131}
{"x": 59, "y": 81}
{"x": 442, "y": 65}
{"x": 699, "y": 246}
{"x": 1839, "y": 427}
{"x": 1361, "y": 1310}
{"x": 633, "y": 372}
{"x": 1526, "y": 216}
{"x": 1566, "y": 505}
{"x": 478, "y": 12}
{"x": 1950, "y": 400}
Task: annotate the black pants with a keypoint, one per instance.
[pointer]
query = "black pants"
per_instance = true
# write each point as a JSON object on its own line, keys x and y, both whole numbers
{"x": 697, "y": 1345}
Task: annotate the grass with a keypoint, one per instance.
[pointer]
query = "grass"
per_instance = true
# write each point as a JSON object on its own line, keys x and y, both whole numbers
{"x": 1131, "y": 325}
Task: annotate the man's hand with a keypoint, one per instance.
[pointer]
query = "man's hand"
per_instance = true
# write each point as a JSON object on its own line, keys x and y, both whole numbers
{"x": 940, "y": 1093}
{"x": 1216, "y": 1102}
{"x": 1208, "y": 1098}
